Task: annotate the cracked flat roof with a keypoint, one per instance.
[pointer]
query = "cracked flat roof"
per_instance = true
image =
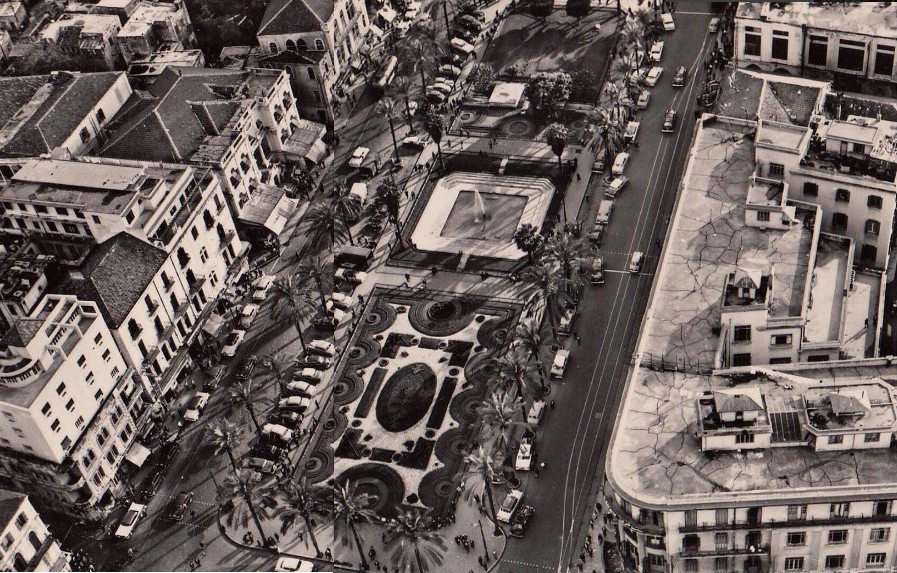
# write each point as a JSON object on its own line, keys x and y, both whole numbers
{"x": 655, "y": 457}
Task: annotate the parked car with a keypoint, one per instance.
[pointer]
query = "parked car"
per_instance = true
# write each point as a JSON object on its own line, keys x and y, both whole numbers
{"x": 669, "y": 121}
{"x": 246, "y": 368}
{"x": 617, "y": 185}
{"x": 441, "y": 87}
{"x": 300, "y": 388}
{"x": 465, "y": 34}
{"x": 351, "y": 277}
{"x": 656, "y": 51}
{"x": 285, "y": 418}
{"x": 632, "y": 128}
{"x": 524, "y": 455}
{"x": 713, "y": 26}
{"x": 679, "y": 78}
{"x": 450, "y": 70}
{"x": 668, "y": 24}
{"x": 434, "y": 96}
{"x": 635, "y": 262}
{"x": 451, "y": 60}
{"x": 233, "y": 341}
{"x": 214, "y": 378}
{"x": 267, "y": 452}
{"x": 129, "y": 521}
{"x": 461, "y": 46}
{"x": 644, "y": 98}
{"x": 400, "y": 29}
{"x": 596, "y": 275}
{"x": 321, "y": 347}
{"x": 325, "y": 321}
{"x": 471, "y": 23}
{"x": 180, "y": 506}
{"x": 248, "y": 314}
{"x": 536, "y": 411}
{"x": 414, "y": 142}
{"x": 412, "y": 9}
{"x": 653, "y": 76}
{"x": 600, "y": 164}
{"x": 293, "y": 564}
{"x": 261, "y": 465}
{"x": 559, "y": 365}
{"x": 620, "y": 163}
{"x": 596, "y": 235}
{"x": 196, "y": 405}
{"x": 565, "y": 324}
{"x": 309, "y": 375}
{"x": 316, "y": 361}
{"x": 471, "y": 8}
{"x": 509, "y": 505}
{"x": 294, "y": 403}
{"x": 261, "y": 286}
{"x": 521, "y": 520}
{"x": 358, "y": 156}
{"x": 278, "y": 432}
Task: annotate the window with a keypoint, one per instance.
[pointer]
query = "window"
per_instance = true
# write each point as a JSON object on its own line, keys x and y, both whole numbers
{"x": 851, "y": 55}
{"x": 779, "y": 44}
{"x": 21, "y": 520}
{"x": 291, "y": 46}
{"x": 84, "y": 135}
{"x": 776, "y": 169}
{"x": 55, "y": 425}
{"x": 744, "y": 438}
{"x": 741, "y": 360}
{"x": 79, "y": 422}
{"x": 70, "y": 405}
{"x": 89, "y": 378}
{"x": 836, "y": 439}
{"x": 875, "y": 559}
{"x": 101, "y": 116}
{"x": 763, "y": 215}
{"x": 884, "y": 60}
{"x": 839, "y": 220}
{"x": 741, "y": 333}
{"x": 879, "y": 534}
{"x": 836, "y": 536}
{"x": 691, "y": 517}
{"x": 722, "y": 516}
{"x": 842, "y": 196}
{"x": 61, "y": 389}
{"x": 811, "y": 189}
{"x": 691, "y": 565}
{"x": 311, "y": 74}
{"x": 203, "y": 254}
{"x": 817, "y": 55}
{"x": 751, "y": 41}
{"x": 796, "y": 538}
{"x": 721, "y": 564}
{"x": 780, "y": 340}
{"x": 834, "y": 561}
{"x": 872, "y": 227}
{"x": 66, "y": 443}
{"x": 871, "y": 438}
{"x": 794, "y": 563}
{"x": 839, "y": 509}
{"x": 272, "y": 47}
{"x": 721, "y": 540}
{"x": 319, "y": 44}
{"x": 874, "y": 202}
{"x": 7, "y": 541}
{"x": 106, "y": 355}
{"x": 98, "y": 395}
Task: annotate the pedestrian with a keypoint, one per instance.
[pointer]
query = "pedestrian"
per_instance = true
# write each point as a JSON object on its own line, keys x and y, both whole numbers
{"x": 480, "y": 560}
{"x": 376, "y": 564}
{"x": 372, "y": 552}
{"x": 433, "y": 270}
{"x": 551, "y": 404}
{"x": 578, "y": 340}
{"x": 866, "y": 324}
{"x": 578, "y": 176}
{"x": 407, "y": 277}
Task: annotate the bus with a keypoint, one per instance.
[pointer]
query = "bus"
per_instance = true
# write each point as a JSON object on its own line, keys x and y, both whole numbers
{"x": 386, "y": 74}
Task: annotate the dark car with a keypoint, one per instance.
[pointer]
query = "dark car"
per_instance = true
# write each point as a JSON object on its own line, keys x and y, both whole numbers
{"x": 451, "y": 60}
{"x": 246, "y": 368}
{"x": 669, "y": 121}
{"x": 521, "y": 520}
{"x": 467, "y": 35}
{"x": 181, "y": 505}
{"x": 168, "y": 452}
{"x": 285, "y": 418}
{"x": 268, "y": 452}
{"x": 596, "y": 235}
{"x": 471, "y": 23}
{"x": 471, "y": 9}
{"x": 679, "y": 79}
{"x": 214, "y": 379}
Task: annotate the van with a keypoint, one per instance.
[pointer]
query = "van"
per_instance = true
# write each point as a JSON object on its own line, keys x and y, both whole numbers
{"x": 355, "y": 258}
{"x": 604, "y": 210}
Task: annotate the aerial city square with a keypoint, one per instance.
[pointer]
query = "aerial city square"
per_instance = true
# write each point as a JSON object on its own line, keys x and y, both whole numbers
{"x": 448, "y": 286}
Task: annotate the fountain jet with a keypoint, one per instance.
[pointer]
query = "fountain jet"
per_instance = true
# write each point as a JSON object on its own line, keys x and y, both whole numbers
{"x": 479, "y": 209}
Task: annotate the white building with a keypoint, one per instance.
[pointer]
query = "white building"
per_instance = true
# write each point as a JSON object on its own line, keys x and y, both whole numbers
{"x": 25, "y": 542}
{"x": 155, "y": 25}
{"x": 91, "y": 36}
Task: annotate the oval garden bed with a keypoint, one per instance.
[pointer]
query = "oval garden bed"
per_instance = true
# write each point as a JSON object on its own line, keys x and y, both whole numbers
{"x": 406, "y": 397}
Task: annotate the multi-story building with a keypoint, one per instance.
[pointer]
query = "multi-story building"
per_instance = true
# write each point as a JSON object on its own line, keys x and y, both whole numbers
{"x": 327, "y": 35}
{"x": 61, "y": 110}
{"x": 25, "y": 542}
{"x": 237, "y": 123}
{"x": 167, "y": 224}
{"x": 13, "y": 15}
{"x": 755, "y": 431}
{"x": 144, "y": 71}
{"x": 23, "y": 281}
{"x": 121, "y": 8}
{"x": 307, "y": 78}
{"x": 91, "y": 36}
{"x": 70, "y": 404}
{"x": 152, "y": 25}
{"x": 847, "y": 41}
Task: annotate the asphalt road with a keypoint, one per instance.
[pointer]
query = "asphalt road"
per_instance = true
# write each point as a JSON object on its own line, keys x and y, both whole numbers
{"x": 574, "y": 436}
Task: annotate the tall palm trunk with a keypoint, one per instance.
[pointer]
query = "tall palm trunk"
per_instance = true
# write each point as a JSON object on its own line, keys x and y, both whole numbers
{"x": 255, "y": 517}
{"x": 439, "y": 152}
{"x": 348, "y": 229}
{"x": 392, "y": 131}
{"x": 299, "y": 331}
{"x": 364, "y": 561}
{"x": 311, "y": 531}
{"x": 252, "y": 417}
{"x": 448, "y": 26}
{"x": 420, "y": 566}
{"x": 492, "y": 506}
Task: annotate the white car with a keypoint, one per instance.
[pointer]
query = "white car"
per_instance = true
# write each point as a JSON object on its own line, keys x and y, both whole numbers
{"x": 656, "y": 51}
{"x": 195, "y": 406}
{"x": 298, "y": 403}
{"x": 321, "y": 347}
{"x": 342, "y": 301}
{"x": 309, "y": 375}
{"x": 280, "y": 432}
{"x": 412, "y": 107}
{"x": 129, "y": 521}
{"x": 616, "y": 186}
{"x": 412, "y": 10}
{"x": 301, "y": 389}
{"x": 358, "y": 156}
{"x": 261, "y": 286}
{"x": 668, "y": 23}
{"x": 414, "y": 141}
{"x": 350, "y": 276}
{"x": 714, "y": 25}
{"x": 293, "y": 564}
{"x": 441, "y": 87}
{"x": 524, "y": 455}
{"x": 234, "y": 339}
{"x": 462, "y": 46}
{"x": 509, "y": 506}
{"x": 449, "y": 70}
{"x": 643, "y": 99}
{"x": 635, "y": 262}
{"x": 560, "y": 363}
{"x": 653, "y": 76}
{"x": 632, "y": 128}
{"x": 536, "y": 411}
{"x": 620, "y": 163}
{"x": 248, "y": 314}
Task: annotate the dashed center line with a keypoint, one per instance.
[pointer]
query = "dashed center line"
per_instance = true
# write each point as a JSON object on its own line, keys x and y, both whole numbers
{"x": 523, "y": 563}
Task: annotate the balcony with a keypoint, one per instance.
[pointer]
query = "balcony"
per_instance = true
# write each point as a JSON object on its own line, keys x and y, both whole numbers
{"x": 196, "y": 284}
{"x": 181, "y": 309}
{"x": 724, "y": 551}
{"x": 788, "y": 523}
{"x": 194, "y": 199}
{"x": 226, "y": 239}
{"x": 640, "y": 523}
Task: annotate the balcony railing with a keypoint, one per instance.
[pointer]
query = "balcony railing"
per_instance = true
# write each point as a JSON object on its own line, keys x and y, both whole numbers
{"x": 181, "y": 309}
{"x": 834, "y": 520}
{"x": 196, "y": 284}
{"x": 723, "y": 551}
{"x": 639, "y": 523}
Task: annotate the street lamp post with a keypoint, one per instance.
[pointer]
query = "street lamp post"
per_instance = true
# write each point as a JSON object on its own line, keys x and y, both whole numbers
{"x": 483, "y": 535}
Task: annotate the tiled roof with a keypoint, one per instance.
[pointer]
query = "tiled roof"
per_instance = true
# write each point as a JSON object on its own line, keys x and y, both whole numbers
{"x": 309, "y": 57}
{"x": 115, "y": 275}
{"x": 735, "y": 403}
{"x": 10, "y": 502}
{"x": 176, "y": 115}
{"x": 71, "y": 99}
{"x": 295, "y": 16}
{"x": 797, "y": 100}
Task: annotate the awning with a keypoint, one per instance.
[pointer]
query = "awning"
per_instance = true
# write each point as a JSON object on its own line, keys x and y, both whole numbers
{"x": 317, "y": 151}
{"x": 375, "y": 30}
{"x": 213, "y": 325}
{"x": 137, "y": 454}
{"x": 388, "y": 14}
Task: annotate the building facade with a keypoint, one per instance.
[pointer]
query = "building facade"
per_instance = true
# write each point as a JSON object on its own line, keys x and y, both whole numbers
{"x": 152, "y": 25}
{"x": 91, "y": 36}
{"x": 25, "y": 542}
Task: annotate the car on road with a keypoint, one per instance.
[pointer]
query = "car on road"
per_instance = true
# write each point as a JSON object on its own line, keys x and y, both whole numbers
{"x": 285, "y": 418}
{"x": 471, "y": 23}
{"x": 412, "y": 9}
{"x": 129, "y": 521}
{"x": 471, "y": 8}
{"x": 669, "y": 121}
{"x": 233, "y": 341}
{"x": 326, "y": 321}
{"x": 451, "y": 60}
{"x": 278, "y": 433}
{"x": 617, "y": 185}
{"x": 653, "y": 76}
{"x": 309, "y": 375}
{"x": 644, "y": 98}
{"x": 668, "y": 24}
{"x": 461, "y": 46}
{"x": 294, "y": 403}
{"x": 321, "y": 347}
{"x": 267, "y": 452}
{"x": 631, "y": 133}
{"x": 196, "y": 405}
{"x": 620, "y": 163}
{"x": 596, "y": 235}
{"x": 317, "y": 361}
{"x": 521, "y": 520}
{"x": 596, "y": 273}
{"x": 349, "y": 276}
{"x": 261, "y": 286}
{"x": 180, "y": 506}
{"x": 441, "y": 87}
{"x": 536, "y": 411}
{"x": 248, "y": 314}
{"x": 565, "y": 324}
{"x": 635, "y": 262}
{"x": 559, "y": 364}
{"x": 246, "y": 368}
{"x": 300, "y": 388}
{"x": 449, "y": 70}
{"x": 600, "y": 164}
{"x": 215, "y": 375}
{"x": 510, "y": 505}
{"x": 468, "y": 36}
{"x": 713, "y": 26}
{"x": 524, "y": 455}
{"x": 435, "y": 97}
{"x": 358, "y": 156}
{"x": 293, "y": 564}
{"x": 679, "y": 78}
{"x": 656, "y": 51}
{"x": 342, "y": 301}
{"x": 414, "y": 142}
{"x": 261, "y": 465}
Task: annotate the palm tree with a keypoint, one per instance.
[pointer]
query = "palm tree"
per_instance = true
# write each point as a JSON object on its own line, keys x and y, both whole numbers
{"x": 347, "y": 206}
{"x": 499, "y": 412}
{"x": 241, "y": 490}
{"x": 242, "y": 394}
{"x": 544, "y": 277}
{"x": 411, "y": 538}
{"x": 528, "y": 240}
{"x": 276, "y": 365}
{"x": 618, "y": 94}
{"x": 224, "y": 436}
{"x": 556, "y": 134}
{"x": 571, "y": 254}
{"x": 388, "y": 196}
{"x": 609, "y": 132}
{"x": 482, "y": 466}
{"x": 430, "y": 30}
{"x": 403, "y": 86}
{"x": 349, "y": 508}
{"x": 647, "y": 23}
{"x": 388, "y": 109}
{"x": 293, "y": 500}
{"x": 420, "y": 57}
{"x": 528, "y": 338}
{"x": 434, "y": 123}
{"x": 319, "y": 270}
{"x": 515, "y": 370}
{"x": 325, "y": 220}
{"x": 292, "y": 302}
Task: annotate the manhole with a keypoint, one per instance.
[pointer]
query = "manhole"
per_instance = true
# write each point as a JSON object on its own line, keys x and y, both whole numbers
{"x": 480, "y": 318}
{"x": 366, "y": 452}
{"x": 398, "y": 457}
{"x": 356, "y": 352}
{"x": 429, "y": 434}
{"x": 466, "y": 116}
{"x": 372, "y": 319}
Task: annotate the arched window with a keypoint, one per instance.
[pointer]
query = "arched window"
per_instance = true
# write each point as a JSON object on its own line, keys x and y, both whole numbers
{"x": 319, "y": 44}
{"x": 273, "y": 47}
{"x": 35, "y": 540}
{"x": 311, "y": 74}
{"x": 301, "y": 44}
{"x": 291, "y": 46}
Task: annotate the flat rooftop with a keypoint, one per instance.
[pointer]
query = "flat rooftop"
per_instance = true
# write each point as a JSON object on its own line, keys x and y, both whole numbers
{"x": 869, "y": 18}
{"x": 782, "y": 135}
{"x": 654, "y": 455}
{"x": 833, "y": 262}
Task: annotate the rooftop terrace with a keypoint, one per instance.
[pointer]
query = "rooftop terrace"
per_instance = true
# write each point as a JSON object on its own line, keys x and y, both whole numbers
{"x": 877, "y": 19}
{"x": 828, "y": 294}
